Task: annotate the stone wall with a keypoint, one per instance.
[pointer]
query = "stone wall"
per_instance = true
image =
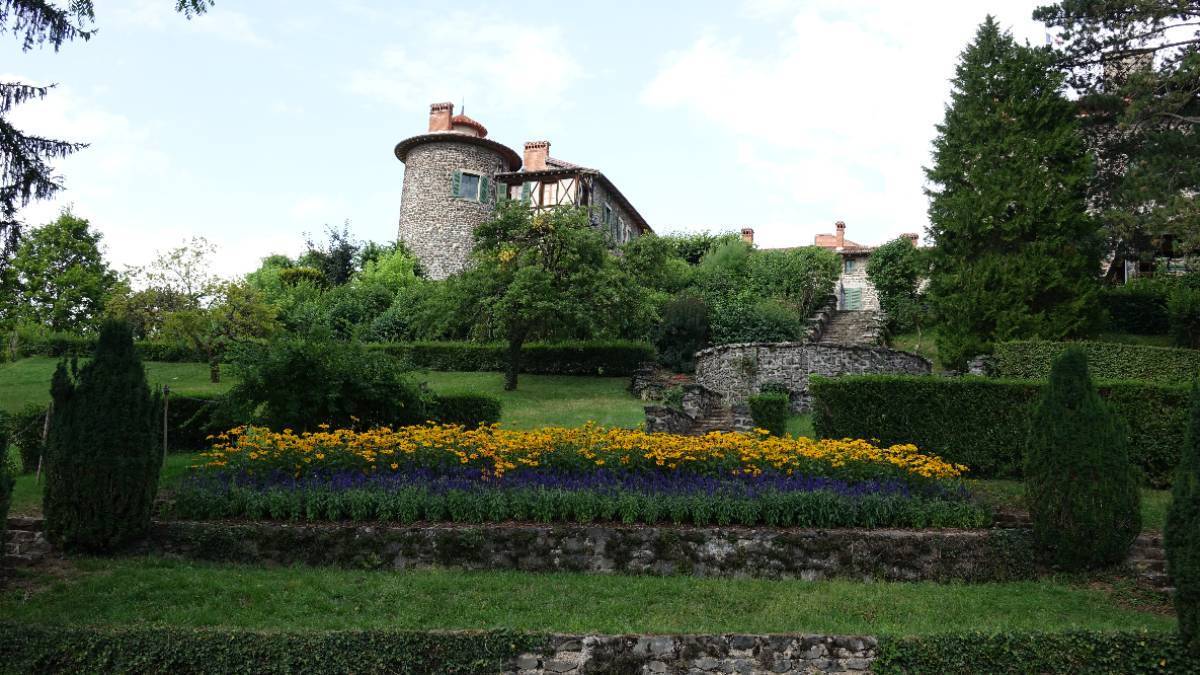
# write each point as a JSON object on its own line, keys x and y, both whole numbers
{"x": 652, "y": 654}
{"x": 783, "y": 553}
{"x": 737, "y": 371}
{"x": 624, "y": 230}
{"x": 436, "y": 226}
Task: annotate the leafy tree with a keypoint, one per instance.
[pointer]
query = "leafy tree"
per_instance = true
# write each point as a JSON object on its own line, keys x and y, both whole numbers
{"x": 1016, "y": 253}
{"x": 337, "y": 258}
{"x": 302, "y": 382}
{"x": 233, "y": 312}
{"x": 541, "y": 273}
{"x": 801, "y": 277}
{"x": 25, "y": 170}
{"x": 1081, "y": 489}
{"x": 691, "y": 247}
{"x": 1136, "y": 67}
{"x": 392, "y": 268}
{"x": 184, "y": 271}
{"x": 897, "y": 270}
{"x": 1183, "y": 532}
{"x": 102, "y": 460}
{"x": 683, "y": 332}
{"x": 654, "y": 263}
{"x": 60, "y": 277}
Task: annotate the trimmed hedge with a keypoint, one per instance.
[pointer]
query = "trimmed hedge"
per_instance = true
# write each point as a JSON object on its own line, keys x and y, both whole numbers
{"x": 1138, "y": 308}
{"x": 617, "y": 358}
{"x": 57, "y": 649}
{"x": 71, "y": 345}
{"x": 770, "y": 411}
{"x": 469, "y": 410}
{"x": 190, "y": 419}
{"x": 1106, "y": 361}
{"x": 983, "y": 422}
{"x": 1020, "y": 653}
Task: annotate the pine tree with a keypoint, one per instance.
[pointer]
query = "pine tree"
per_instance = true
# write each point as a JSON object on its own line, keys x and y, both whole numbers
{"x": 1081, "y": 489}
{"x": 1183, "y": 532}
{"x": 1016, "y": 254}
{"x": 101, "y": 455}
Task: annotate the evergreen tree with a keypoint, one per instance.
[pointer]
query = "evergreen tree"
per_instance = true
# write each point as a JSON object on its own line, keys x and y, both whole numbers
{"x": 102, "y": 462}
{"x": 1081, "y": 489}
{"x": 1016, "y": 254}
{"x": 7, "y": 479}
{"x": 1183, "y": 532}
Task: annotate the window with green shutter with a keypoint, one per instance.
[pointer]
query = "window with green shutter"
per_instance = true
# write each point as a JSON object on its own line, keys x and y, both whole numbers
{"x": 485, "y": 189}
{"x": 525, "y": 190}
{"x": 456, "y": 184}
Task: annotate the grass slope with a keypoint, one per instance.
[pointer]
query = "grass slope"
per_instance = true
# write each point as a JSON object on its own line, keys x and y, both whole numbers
{"x": 28, "y": 380}
{"x": 150, "y": 591}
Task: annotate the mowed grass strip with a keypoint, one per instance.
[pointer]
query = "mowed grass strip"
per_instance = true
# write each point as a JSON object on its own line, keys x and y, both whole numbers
{"x": 151, "y": 591}
{"x": 28, "y": 380}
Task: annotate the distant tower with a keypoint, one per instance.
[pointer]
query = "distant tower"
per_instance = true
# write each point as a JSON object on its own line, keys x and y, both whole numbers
{"x": 449, "y": 188}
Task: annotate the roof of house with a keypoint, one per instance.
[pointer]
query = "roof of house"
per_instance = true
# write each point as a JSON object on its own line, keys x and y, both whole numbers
{"x": 511, "y": 158}
{"x": 467, "y": 121}
{"x": 566, "y": 169}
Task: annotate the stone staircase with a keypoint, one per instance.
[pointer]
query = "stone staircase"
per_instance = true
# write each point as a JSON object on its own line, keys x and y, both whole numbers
{"x": 851, "y": 327}
{"x": 1148, "y": 559}
{"x": 25, "y": 543}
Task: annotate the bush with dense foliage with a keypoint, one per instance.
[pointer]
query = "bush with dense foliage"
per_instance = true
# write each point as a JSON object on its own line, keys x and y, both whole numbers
{"x": 300, "y": 383}
{"x": 683, "y": 332}
{"x": 1182, "y": 532}
{"x": 60, "y": 649}
{"x": 25, "y": 432}
{"x": 1081, "y": 490}
{"x": 8, "y": 478}
{"x": 770, "y": 411}
{"x": 468, "y": 410}
{"x": 102, "y": 459}
{"x": 612, "y": 358}
{"x": 1138, "y": 307}
{"x": 897, "y": 270}
{"x": 1106, "y": 361}
{"x": 1063, "y": 653}
{"x": 1183, "y": 311}
{"x": 981, "y": 422}
{"x": 1016, "y": 252}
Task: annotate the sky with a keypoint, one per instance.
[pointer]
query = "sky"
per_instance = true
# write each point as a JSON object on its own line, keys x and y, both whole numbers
{"x": 265, "y": 120}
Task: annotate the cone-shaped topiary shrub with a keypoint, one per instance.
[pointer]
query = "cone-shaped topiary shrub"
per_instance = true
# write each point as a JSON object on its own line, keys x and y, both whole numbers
{"x": 102, "y": 461}
{"x": 6, "y": 486}
{"x": 1081, "y": 489}
{"x": 1183, "y": 532}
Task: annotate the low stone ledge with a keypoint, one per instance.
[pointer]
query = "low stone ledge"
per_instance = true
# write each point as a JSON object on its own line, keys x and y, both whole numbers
{"x": 777, "y": 553}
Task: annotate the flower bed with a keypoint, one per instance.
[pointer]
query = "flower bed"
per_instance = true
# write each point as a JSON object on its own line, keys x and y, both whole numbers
{"x": 585, "y": 474}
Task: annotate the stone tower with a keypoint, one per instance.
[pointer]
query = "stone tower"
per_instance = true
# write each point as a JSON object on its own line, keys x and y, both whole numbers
{"x": 449, "y": 188}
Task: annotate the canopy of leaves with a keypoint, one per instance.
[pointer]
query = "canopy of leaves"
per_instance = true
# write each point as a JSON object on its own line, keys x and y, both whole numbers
{"x": 897, "y": 270}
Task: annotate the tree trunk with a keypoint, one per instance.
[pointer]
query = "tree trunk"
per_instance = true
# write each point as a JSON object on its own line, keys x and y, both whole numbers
{"x": 513, "y": 366}
{"x": 214, "y": 369}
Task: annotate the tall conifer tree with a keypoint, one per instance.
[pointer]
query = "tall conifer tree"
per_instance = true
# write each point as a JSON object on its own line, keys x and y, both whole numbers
{"x": 1183, "y": 532}
{"x": 1016, "y": 254}
{"x": 101, "y": 455}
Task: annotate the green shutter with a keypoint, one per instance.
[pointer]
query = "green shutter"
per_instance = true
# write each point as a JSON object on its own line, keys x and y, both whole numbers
{"x": 501, "y": 192}
{"x": 456, "y": 184}
{"x": 485, "y": 189}
{"x": 525, "y": 192}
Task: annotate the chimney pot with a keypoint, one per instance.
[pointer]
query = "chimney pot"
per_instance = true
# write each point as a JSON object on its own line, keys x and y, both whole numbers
{"x": 748, "y": 235}
{"x": 536, "y": 154}
{"x": 841, "y": 234}
{"x": 912, "y": 237}
{"x": 439, "y": 117}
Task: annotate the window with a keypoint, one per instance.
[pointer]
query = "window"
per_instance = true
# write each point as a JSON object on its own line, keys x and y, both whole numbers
{"x": 469, "y": 187}
{"x": 850, "y": 265}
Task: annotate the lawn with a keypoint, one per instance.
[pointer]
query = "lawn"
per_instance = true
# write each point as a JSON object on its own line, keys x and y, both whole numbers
{"x": 28, "y": 380}
{"x": 27, "y": 493}
{"x": 152, "y": 591}
{"x": 1011, "y": 494}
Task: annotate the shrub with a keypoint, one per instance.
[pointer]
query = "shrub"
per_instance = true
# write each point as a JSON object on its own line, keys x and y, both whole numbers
{"x": 59, "y": 649}
{"x": 770, "y": 411}
{"x": 469, "y": 410}
{"x": 25, "y": 432}
{"x": 683, "y": 332}
{"x": 1081, "y": 491}
{"x": 1106, "y": 361}
{"x": 102, "y": 462}
{"x": 1183, "y": 532}
{"x": 300, "y": 383}
{"x": 1183, "y": 308}
{"x": 747, "y": 317}
{"x": 1139, "y": 307}
{"x": 1049, "y": 653}
{"x": 7, "y": 479}
{"x": 612, "y": 358}
{"x": 981, "y": 421}
{"x": 191, "y": 418}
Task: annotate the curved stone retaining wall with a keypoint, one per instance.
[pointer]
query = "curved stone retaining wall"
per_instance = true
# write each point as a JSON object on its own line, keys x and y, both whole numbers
{"x": 737, "y": 371}
{"x": 900, "y": 555}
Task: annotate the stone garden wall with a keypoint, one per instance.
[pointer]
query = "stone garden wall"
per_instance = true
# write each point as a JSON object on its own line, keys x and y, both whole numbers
{"x": 737, "y": 371}
{"x": 901, "y": 555}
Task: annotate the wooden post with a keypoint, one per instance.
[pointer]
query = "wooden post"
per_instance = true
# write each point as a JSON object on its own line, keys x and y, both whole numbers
{"x": 166, "y": 406}
{"x": 45, "y": 435}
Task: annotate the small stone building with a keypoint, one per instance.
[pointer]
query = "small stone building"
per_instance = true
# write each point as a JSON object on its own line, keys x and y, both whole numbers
{"x": 454, "y": 175}
{"x": 854, "y": 289}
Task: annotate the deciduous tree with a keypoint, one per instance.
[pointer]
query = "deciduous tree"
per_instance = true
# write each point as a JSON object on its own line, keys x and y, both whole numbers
{"x": 232, "y": 312}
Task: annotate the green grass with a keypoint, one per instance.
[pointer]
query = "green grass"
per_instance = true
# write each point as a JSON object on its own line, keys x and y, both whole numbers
{"x": 151, "y": 591}
{"x": 28, "y": 380}
{"x": 540, "y": 400}
{"x": 1011, "y": 494}
{"x": 925, "y": 346}
{"x": 27, "y": 493}
{"x": 801, "y": 425}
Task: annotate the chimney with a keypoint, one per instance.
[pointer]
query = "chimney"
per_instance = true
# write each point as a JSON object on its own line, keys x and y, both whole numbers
{"x": 439, "y": 117}
{"x": 841, "y": 234}
{"x": 912, "y": 237}
{"x": 536, "y": 154}
{"x": 748, "y": 235}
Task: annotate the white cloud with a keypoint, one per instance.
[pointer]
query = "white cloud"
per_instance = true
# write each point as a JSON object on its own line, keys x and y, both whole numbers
{"x": 838, "y": 115}
{"x": 219, "y": 21}
{"x": 492, "y": 64}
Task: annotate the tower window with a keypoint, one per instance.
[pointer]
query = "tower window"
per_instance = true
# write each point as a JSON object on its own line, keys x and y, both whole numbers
{"x": 468, "y": 186}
